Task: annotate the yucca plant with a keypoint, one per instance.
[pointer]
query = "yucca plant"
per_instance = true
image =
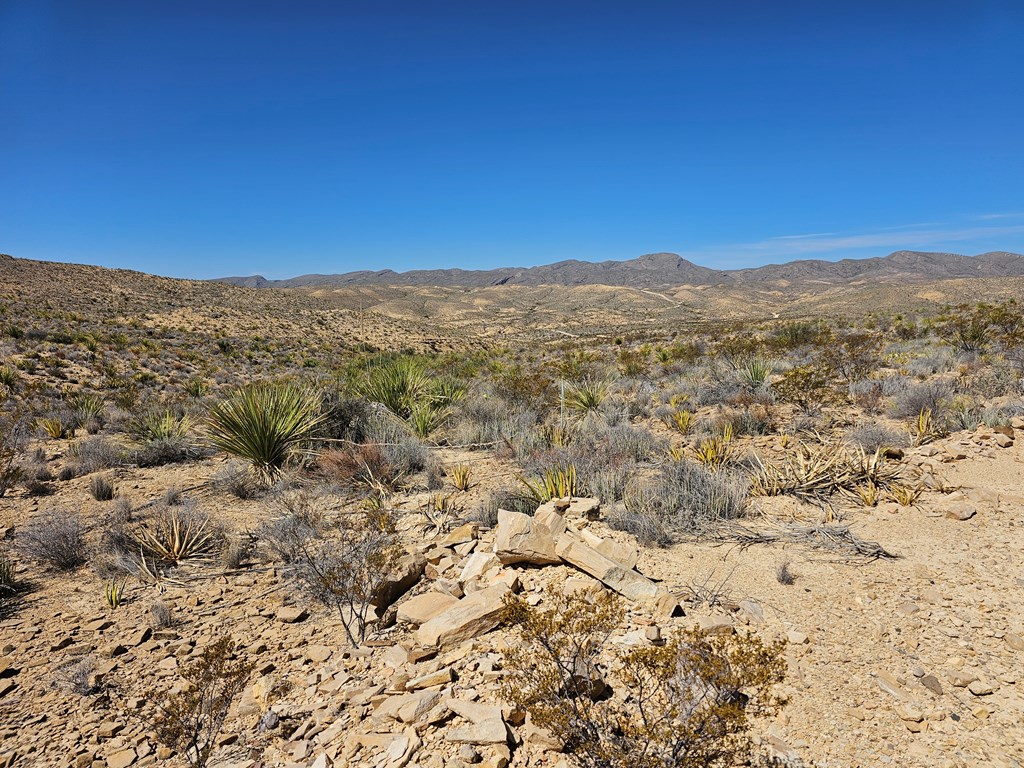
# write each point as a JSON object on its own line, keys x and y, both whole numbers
{"x": 114, "y": 591}
{"x": 441, "y": 511}
{"x": 398, "y": 385}
{"x": 86, "y": 407}
{"x": 266, "y": 424}
{"x": 554, "y": 483}
{"x": 683, "y": 421}
{"x": 905, "y": 495}
{"x": 585, "y": 397}
{"x": 754, "y": 373}
{"x": 426, "y": 417}
{"x": 162, "y": 424}
{"x": 924, "y": 428}
{"x": 178, "y": 535}
{"x": 715, "y": 451}
{"x": 8, "y": 584}
{"x": 8, "y": 379}
{"x": 869, "y": 494}
{"x": 196, "y": 388}
{"x": 53, "y": 427}
{"x": 461, "y": 476}
{"x": 817, "y": 475}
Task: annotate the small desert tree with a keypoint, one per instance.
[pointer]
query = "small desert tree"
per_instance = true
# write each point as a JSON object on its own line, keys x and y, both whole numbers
{"x": 685, "y": 704}
{"x": 190, "y": 720}
{"x": 345, "y": 563}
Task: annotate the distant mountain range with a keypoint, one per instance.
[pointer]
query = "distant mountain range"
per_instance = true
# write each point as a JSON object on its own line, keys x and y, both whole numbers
{"x": 658, "y": 270}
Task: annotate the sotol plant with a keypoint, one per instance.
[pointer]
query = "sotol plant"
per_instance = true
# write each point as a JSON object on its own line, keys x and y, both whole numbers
{"x": 265, "y": 424}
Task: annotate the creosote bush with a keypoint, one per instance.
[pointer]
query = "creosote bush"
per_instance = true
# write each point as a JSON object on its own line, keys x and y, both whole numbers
{"x": 685, "y": 704}
{"x": 190, "y": 720}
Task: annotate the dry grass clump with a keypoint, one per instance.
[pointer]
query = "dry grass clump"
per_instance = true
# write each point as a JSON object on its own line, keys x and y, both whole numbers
{"x": 683, "y": 499}
{"x": 687, "y": 703}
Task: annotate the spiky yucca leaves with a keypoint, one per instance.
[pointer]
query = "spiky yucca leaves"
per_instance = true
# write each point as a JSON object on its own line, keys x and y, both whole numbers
{"x": 426, "y": 417}
{"x": 754, "y": 373}
{"x": 715, "y": 452}
{"x": 555, "y": 483}
{"x": 266, "y": 424}
{"x": 86, "y": 407}
{"x": 906, "y": 495}
{"x": 177, "y": 535}
{"x": 585, "y": 397}
{"x": 682, "y": 420}
{"x": 461, "y": 476}
{"x": 398, "y": 385}
{"x": 690, "y": 700}
{"x": 53, "y": 427}
{"x": 924, "y": 428}
{"x": 8, "y": 585}
{"x": 817, "y": 475}
{"x": 162, "y": 424}
{"x": 114, "y": 591}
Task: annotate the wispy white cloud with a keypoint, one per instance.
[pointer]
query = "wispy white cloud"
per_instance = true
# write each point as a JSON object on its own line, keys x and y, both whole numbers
{"x": 833, "y": 245}
{"x": 1010, "y": 215}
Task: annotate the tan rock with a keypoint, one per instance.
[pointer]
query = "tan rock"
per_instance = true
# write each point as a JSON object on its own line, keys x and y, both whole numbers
{"x": 122, "y": 759}
{"x": 519, "y": 538}
{"x": 291, "y": 614}
{"x": 442, "y": 676}
{"x": 623, "y": 580}
{"x": 479, "y": 565}
{"x": 471, "y": 616}
{"x": 493, "y": 731}
{"x": 407, "y": 708}
{"x": 421, "y": 608}
{"x": 408, "y": 571}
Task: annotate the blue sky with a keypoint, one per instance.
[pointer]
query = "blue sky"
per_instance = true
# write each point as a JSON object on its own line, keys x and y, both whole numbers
{"x": 221, "y": 138}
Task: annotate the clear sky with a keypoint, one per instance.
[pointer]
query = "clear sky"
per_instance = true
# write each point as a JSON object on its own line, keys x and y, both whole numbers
{"x": 202, "y": 139}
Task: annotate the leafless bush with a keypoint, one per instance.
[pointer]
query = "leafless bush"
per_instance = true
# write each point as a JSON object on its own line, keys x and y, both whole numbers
{"x": 55, "y": 538}
{"x": 102, "y": 488}
{"x": 934, "y": 396}
{"x": 160, "y": 615}
{"x": 78, "y": 676}
{"x": 97, "y": 453}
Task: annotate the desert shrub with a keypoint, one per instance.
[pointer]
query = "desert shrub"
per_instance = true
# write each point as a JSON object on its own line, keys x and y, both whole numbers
{"x": 795, "y": 334}
{"x": 171, "y": 450}
{"x": 967, "y": 329}
{"x": 101, "y": 488}
{"x": 684, "y": 498}
{"x": 525, "y": 387}
{"x": 94, "y": 454}
{"x": 634, "y": 362}
{"x": 190, "y": 719}
{"x": 852, "y": 355}
{"x": 78, "y": 676}
{"x": 54, "y": 538}
{"x": 685, "y": 704}
{"x": 86, "y": 408}
{"x": 933, "y": 396}
{"x": 161, "y": 616}
{"x": 359, "y": 466}
{"x": 344, "y": 563}
{"x": 8, "y": 582}
{"x": 265, "y": 424}
{"x": 346, "y": 418}
{"x": 405, "y": 387}
{"x": 872, "y": 437}
{"x": 585, "y": 397}
{"x": 808, "y": 387}
{"x": 237, "y": 481}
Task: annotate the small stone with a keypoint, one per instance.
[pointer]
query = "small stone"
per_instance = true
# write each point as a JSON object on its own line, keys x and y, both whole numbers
{"x": 291, "y": 614}
{"x": 1014, "y": 641}
{"x": 121, "y": 759}
{"x": 796, "y": 638}
{"x": 493, "y": 731}
{"x": 318, "y": 653}
{"x": 961, "y": 511}
{"x": 931, "y": 682}
{"x": 980, "y": 688}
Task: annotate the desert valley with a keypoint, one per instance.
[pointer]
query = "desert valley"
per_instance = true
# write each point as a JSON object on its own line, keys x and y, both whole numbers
{"x": 636, "y": 513}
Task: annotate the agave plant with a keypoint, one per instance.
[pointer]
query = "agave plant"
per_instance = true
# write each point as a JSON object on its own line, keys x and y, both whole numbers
{"x": 426, "y": 417}
{"x": 461, "y": 476}
{"x": 179, "y": 534}
{"x": 715, "y": 451}
{"x": 265, "y": 424}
